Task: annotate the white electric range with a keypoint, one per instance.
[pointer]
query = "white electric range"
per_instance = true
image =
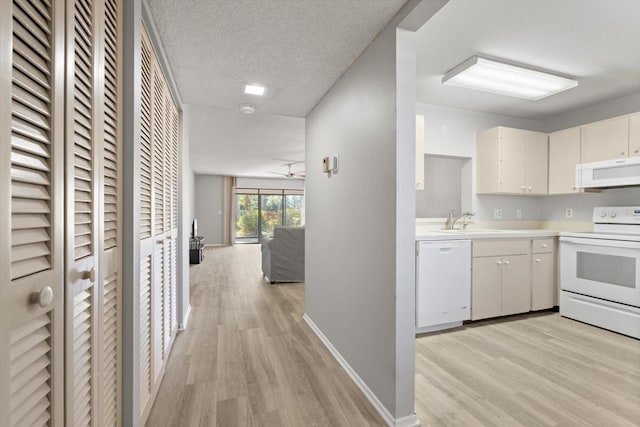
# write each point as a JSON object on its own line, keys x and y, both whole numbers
{"x": 600, "y": 271}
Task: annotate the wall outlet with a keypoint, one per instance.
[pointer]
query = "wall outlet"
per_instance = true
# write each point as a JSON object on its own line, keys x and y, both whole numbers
{"x": 568, "y": 213}
{"x": 519, "y": 213}
{"x": 497, "y": 213}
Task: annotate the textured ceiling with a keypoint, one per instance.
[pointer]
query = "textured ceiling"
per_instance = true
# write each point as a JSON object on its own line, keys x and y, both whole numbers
{"x": 594, "y": 41}
{"x": 298, "y": 48}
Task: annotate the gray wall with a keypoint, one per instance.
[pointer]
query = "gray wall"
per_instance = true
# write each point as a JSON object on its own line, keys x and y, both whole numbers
{"x": 442, "y": 187}
{"x": 360, "y": 286}
{"x": 209, "y": 205}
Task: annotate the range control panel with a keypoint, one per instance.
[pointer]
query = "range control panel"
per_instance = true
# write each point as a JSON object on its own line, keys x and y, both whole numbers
{"x": 617, "y": 215}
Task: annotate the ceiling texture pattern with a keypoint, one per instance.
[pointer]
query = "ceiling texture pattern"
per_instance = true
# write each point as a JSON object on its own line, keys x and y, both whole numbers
{"x": 298, "y": 48}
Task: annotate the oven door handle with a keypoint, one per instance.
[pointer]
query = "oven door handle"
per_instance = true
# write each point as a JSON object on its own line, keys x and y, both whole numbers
{"x": 600, "y": 242}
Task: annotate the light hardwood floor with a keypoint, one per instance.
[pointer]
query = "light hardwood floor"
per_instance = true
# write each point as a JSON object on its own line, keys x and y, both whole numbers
{"x": 248, "y": 358}
{"x": 531, "y": 370}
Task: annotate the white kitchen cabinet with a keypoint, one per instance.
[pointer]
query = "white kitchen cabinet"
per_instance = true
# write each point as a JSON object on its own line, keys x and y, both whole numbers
{"x": 634, "y": 135}
{"x": 516, "y": 284}
{"x": 605, "y": 140}
{"x": 419, "y": 152}
{"x": 543, "y": 274}
{"x": 564, "y": 155}
{"x": 486, "y": 287}
{"x": 511, "y": 161}
{"x": 500, "y": 278}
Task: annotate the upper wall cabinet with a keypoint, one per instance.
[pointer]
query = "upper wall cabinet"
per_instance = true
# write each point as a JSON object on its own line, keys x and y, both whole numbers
{"x": 419, "y": 152}
{"x": 605, "y": 140}
{"x": 511, "y": 161}
{"x": 564, "y": 155}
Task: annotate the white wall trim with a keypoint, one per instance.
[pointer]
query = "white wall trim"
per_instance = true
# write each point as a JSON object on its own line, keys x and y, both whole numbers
{"x": 408, "y": 421}
{"x": 183, "y": 325}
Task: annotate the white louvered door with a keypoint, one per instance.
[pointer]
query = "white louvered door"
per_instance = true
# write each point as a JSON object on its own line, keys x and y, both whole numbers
{"x": 158, "y": 224}
{"x": 31, "y": 195}
{"x": 110, "y": 279}
{"x": 82, "y": 218}
{"x": 146, "y": 225}
{"x": 92, "y": 199}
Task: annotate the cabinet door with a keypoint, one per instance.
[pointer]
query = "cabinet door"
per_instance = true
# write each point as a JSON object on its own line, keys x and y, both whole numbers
{"x": 605, "y": 140}
{"x": 537, "y": 158}
{"x": 516, "y": 284}
{"x": 634, "y": 135}
{"x": 485, "y": 287}
{"x": 564, "y": 155}
{"x": 542, "y": 281}
{"x": 512, "y": 160}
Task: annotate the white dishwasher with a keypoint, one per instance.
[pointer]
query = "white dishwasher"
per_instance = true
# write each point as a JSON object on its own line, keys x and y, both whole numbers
{"x": 443, "y": 284}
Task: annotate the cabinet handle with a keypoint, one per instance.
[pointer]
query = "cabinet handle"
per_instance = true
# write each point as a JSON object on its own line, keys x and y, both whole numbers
{"x": 622, "y": 153}
{"x": 529, "y": 189}
{"x": 537, "y": 259}
{"x": 499, "y": 262}
{"x": 42, "y": 298}
{"x": 544, "y": 245}
{"x": 636, "y": 151}
{"x": 506, "y": 262}
{"x": 524, "y": 188}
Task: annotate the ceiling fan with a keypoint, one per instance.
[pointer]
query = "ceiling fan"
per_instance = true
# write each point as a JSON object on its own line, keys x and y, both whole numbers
{"x": 290, "y": 174}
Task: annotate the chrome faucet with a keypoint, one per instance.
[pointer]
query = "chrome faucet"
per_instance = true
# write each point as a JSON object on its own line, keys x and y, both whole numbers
{"x": 464, "y": 216}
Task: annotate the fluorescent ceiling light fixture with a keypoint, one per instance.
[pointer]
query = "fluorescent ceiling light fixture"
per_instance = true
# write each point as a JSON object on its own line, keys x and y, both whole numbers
{"x": 504, "y": 79}
{"x": 255, "y": 89}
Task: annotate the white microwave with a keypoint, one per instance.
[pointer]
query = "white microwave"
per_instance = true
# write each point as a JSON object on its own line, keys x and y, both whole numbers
{"x": 608, "y": 173}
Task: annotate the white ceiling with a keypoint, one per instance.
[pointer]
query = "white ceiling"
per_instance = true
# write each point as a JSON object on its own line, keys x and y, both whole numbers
{"x": 597, "y": 42}
{"x": 298, "y": 48}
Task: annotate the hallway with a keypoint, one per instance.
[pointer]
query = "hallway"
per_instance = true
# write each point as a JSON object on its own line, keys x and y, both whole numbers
{"x": 248, "y": 358}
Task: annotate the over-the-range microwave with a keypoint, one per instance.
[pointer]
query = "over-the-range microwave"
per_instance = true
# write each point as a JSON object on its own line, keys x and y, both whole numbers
{"x": 609, "y": 173}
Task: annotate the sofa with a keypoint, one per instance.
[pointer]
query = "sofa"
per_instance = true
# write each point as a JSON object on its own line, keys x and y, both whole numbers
{"x": 283, "y": 255}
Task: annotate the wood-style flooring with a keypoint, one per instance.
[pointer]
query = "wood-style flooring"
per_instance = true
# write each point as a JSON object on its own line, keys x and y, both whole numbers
{"x": 530, "y": 370}
{"x": 248, "y": 358}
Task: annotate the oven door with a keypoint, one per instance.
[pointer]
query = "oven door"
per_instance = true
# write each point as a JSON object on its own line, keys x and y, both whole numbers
{"x": 607, "y": 269}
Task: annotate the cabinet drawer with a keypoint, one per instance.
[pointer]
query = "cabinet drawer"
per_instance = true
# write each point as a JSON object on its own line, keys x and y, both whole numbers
{"x": 541, "y": 246}
{"x": 500, "y": 247}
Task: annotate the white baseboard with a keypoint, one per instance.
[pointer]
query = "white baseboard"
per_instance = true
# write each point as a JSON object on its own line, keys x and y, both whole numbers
{"x": 183, "y": 326}
{"x": 408, "y": 421}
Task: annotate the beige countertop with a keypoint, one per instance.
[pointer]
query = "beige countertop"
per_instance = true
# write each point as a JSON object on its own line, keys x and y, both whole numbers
{"x": 483, "y": 234}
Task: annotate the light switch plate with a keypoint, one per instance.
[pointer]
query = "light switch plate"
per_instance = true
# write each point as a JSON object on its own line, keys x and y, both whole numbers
{"x": 519, "y": 213}
{"x": 568, "y": 213}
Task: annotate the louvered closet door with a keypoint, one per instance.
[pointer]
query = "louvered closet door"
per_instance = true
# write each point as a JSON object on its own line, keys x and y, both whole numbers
{"x": 146, "y": 226}
{"x": 110, "y": 279}
{"x": 31, "y": 196}
{"x": 82, "y": 201}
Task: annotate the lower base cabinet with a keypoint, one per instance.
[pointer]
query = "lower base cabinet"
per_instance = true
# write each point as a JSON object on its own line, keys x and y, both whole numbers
{"x": 543, "y": 274}
{"x": 510, "y": 276}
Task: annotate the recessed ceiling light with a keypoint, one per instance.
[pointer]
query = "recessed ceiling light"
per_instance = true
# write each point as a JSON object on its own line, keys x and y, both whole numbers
{"x": 505, "y": 79}
{"x": 255, "y": 89}
{"x": 247, "y": 108}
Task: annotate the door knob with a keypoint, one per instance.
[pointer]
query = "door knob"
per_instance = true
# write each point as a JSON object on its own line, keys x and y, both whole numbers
{"x": 499, "y": 262}
{"x": 506, "y": 262}
{"x": 42, "y": 298}
{"x": 90, "y": 275}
